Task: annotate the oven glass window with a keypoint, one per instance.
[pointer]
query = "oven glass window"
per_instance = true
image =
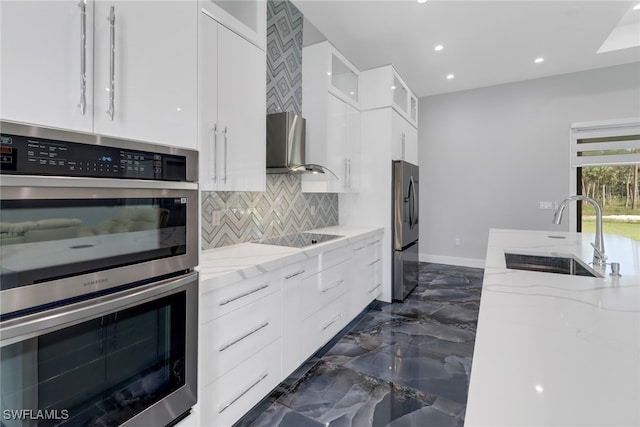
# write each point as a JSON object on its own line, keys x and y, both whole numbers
{"x": 48, "y": 239}
{"x": 98, "y": 373}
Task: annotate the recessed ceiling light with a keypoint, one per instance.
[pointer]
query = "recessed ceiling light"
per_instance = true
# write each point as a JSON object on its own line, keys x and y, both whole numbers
{"x": 539, "y": 60}
{"x": 393, "y": 88}
{"x": 636, "y": 7}
{"x": 438, "y": 48}
{"x": 422, "y": 1}
{"x": 450, "y": 76}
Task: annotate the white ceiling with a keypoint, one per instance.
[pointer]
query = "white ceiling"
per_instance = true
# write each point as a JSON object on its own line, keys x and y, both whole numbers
{"x": 485, "y": 42}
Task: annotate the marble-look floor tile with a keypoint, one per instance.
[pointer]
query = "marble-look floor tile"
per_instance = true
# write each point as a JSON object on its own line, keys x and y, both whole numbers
{"x": 399, "y": 365}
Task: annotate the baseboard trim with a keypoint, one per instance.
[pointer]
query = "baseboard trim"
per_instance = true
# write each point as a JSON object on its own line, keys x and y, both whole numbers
{"x": 464, "y": 262}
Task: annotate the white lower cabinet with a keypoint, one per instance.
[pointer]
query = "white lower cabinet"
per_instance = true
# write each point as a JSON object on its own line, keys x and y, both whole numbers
{"x": 257, "y": 331}
{"x": 218, "y": 302}
{"x": 367, "y": 266}
{"x": 325, "y": 323}
{"x": 240, "y": 334}
{"x": 228, "y": 398}
{"x": 240, "y": 349}
{"x": 295, "y": 301}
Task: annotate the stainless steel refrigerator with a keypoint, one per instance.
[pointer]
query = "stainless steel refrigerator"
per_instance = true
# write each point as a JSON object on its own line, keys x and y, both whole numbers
{"x": 405, "y": 230}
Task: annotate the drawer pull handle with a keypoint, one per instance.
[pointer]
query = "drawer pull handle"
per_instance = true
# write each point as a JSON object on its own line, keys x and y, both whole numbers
{"x": 333, "y": 285}
{"x": 253, "y": 291}
{"x": 235, "y": 399}
{"x": 334, "y": 320}
{"x": 297, "y": 273}
{"x": 374, "y": 288}
{"x": 374, "y": 262}
{"x": 248, "y": 334}
{"x": 359, "y": 248}
{"x": 374, "y": 243}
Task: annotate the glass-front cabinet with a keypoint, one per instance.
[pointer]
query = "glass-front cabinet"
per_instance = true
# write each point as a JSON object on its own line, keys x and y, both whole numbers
{"x": 246, "y": 18}
{"x": 413, "y": 109}
{"x": 384, "y": 87}
{"x": 343, "y": 78}
{"x": 331, "y": 105}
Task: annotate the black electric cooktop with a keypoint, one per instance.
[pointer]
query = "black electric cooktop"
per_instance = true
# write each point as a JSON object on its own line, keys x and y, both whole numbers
{"x": 298, "y": 240}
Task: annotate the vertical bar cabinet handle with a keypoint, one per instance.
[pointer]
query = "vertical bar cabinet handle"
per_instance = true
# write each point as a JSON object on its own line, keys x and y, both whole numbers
{"x": 112, "y": 61}
{"x": 83, "y": 56}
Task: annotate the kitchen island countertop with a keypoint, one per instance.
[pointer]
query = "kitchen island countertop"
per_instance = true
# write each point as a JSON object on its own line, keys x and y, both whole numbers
{"x": 554, "y": 349}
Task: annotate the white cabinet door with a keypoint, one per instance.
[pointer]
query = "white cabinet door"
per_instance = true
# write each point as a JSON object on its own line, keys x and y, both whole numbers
{"x": 336, "y": 145}
{"x": 336, "y": 158}
{"x": 149, "y": 50}
{"x": 411, "y": 143}
{"x": 232, "y": 116}
{"x": 242, "y": 116}
{"x": 330, "y": 95}
{"x": 40, "y": 63}
{"x": 404, "y": 139}
{"x": 353, "y": 132}
{"x": 208, "y": 101}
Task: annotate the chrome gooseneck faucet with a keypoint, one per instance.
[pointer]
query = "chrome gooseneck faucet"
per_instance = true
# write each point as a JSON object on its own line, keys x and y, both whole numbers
{"x": 599, "y": 257}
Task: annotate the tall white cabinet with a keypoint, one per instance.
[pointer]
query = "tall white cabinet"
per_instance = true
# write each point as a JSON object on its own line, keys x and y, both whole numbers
{"x": 108, "y": 67}
{"x": 389, "y": 132}
{"x": 232, "y": 113}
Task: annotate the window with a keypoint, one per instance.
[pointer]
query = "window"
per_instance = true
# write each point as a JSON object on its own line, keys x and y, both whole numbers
{"x": 606, "y": 156}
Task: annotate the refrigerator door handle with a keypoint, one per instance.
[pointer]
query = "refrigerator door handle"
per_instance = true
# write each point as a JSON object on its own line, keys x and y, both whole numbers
{"x": 415, "y": 203}
{"x": 412, "y": 203}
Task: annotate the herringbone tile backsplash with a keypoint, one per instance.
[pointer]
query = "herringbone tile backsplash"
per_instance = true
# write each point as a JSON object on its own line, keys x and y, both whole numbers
{"x": 249, "y": 216}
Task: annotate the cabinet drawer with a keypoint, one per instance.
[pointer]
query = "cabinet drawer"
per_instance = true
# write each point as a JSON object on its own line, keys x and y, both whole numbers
{"x": 322, "y": 288}
{"x": 218, "y": 302}
{"x": 299, "y": 270}
{"x": 336, "y": 256}
{"x": 324, "y": 324}
{"x": 224, "y": 401}
{"x": 230, "y": 339}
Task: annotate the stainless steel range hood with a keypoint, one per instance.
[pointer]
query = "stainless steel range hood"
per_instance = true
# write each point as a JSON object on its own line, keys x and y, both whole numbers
{"x": 286, "y": 145}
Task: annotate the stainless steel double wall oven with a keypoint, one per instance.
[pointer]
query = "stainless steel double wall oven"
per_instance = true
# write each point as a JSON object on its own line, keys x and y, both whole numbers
{"x": 98, "y": 293}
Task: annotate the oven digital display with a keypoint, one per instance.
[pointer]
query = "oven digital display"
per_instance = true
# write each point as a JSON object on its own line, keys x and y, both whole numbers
{"x": 28, "y": 155}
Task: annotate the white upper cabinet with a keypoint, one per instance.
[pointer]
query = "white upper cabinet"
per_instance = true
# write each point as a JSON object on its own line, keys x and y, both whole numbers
{"x": 247, "y": 18}
{"x": 75, "y": 65}
{"x": 232, "y": 113}
{"x": 330, "y": 99}
{"x": 46, "y": 66}
{"x": 343, "y": 78}
{"x": 383, "y": 87}
{"x": 146, "y": 71}
{"x": 404, "y": 139}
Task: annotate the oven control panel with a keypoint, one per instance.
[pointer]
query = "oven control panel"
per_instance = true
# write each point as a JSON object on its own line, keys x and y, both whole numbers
{"x": 38, "y": 156}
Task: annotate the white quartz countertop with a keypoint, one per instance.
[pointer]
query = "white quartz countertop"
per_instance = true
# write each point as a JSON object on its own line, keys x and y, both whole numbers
{"x": 229, "y": 264}
{"x": 554, "y": 349}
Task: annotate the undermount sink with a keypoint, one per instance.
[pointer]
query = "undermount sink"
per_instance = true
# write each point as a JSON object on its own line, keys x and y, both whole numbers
{"x": 549, "y": 264}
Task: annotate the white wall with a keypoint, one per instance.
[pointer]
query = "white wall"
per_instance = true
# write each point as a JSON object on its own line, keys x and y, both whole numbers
{"x": 489, "y": 156}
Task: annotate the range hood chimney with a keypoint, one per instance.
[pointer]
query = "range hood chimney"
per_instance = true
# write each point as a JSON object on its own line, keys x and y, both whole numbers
{"x": 286, "y": 145}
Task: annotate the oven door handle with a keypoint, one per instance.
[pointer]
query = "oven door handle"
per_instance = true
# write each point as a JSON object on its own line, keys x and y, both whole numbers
{"x": 40, "y": 323}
